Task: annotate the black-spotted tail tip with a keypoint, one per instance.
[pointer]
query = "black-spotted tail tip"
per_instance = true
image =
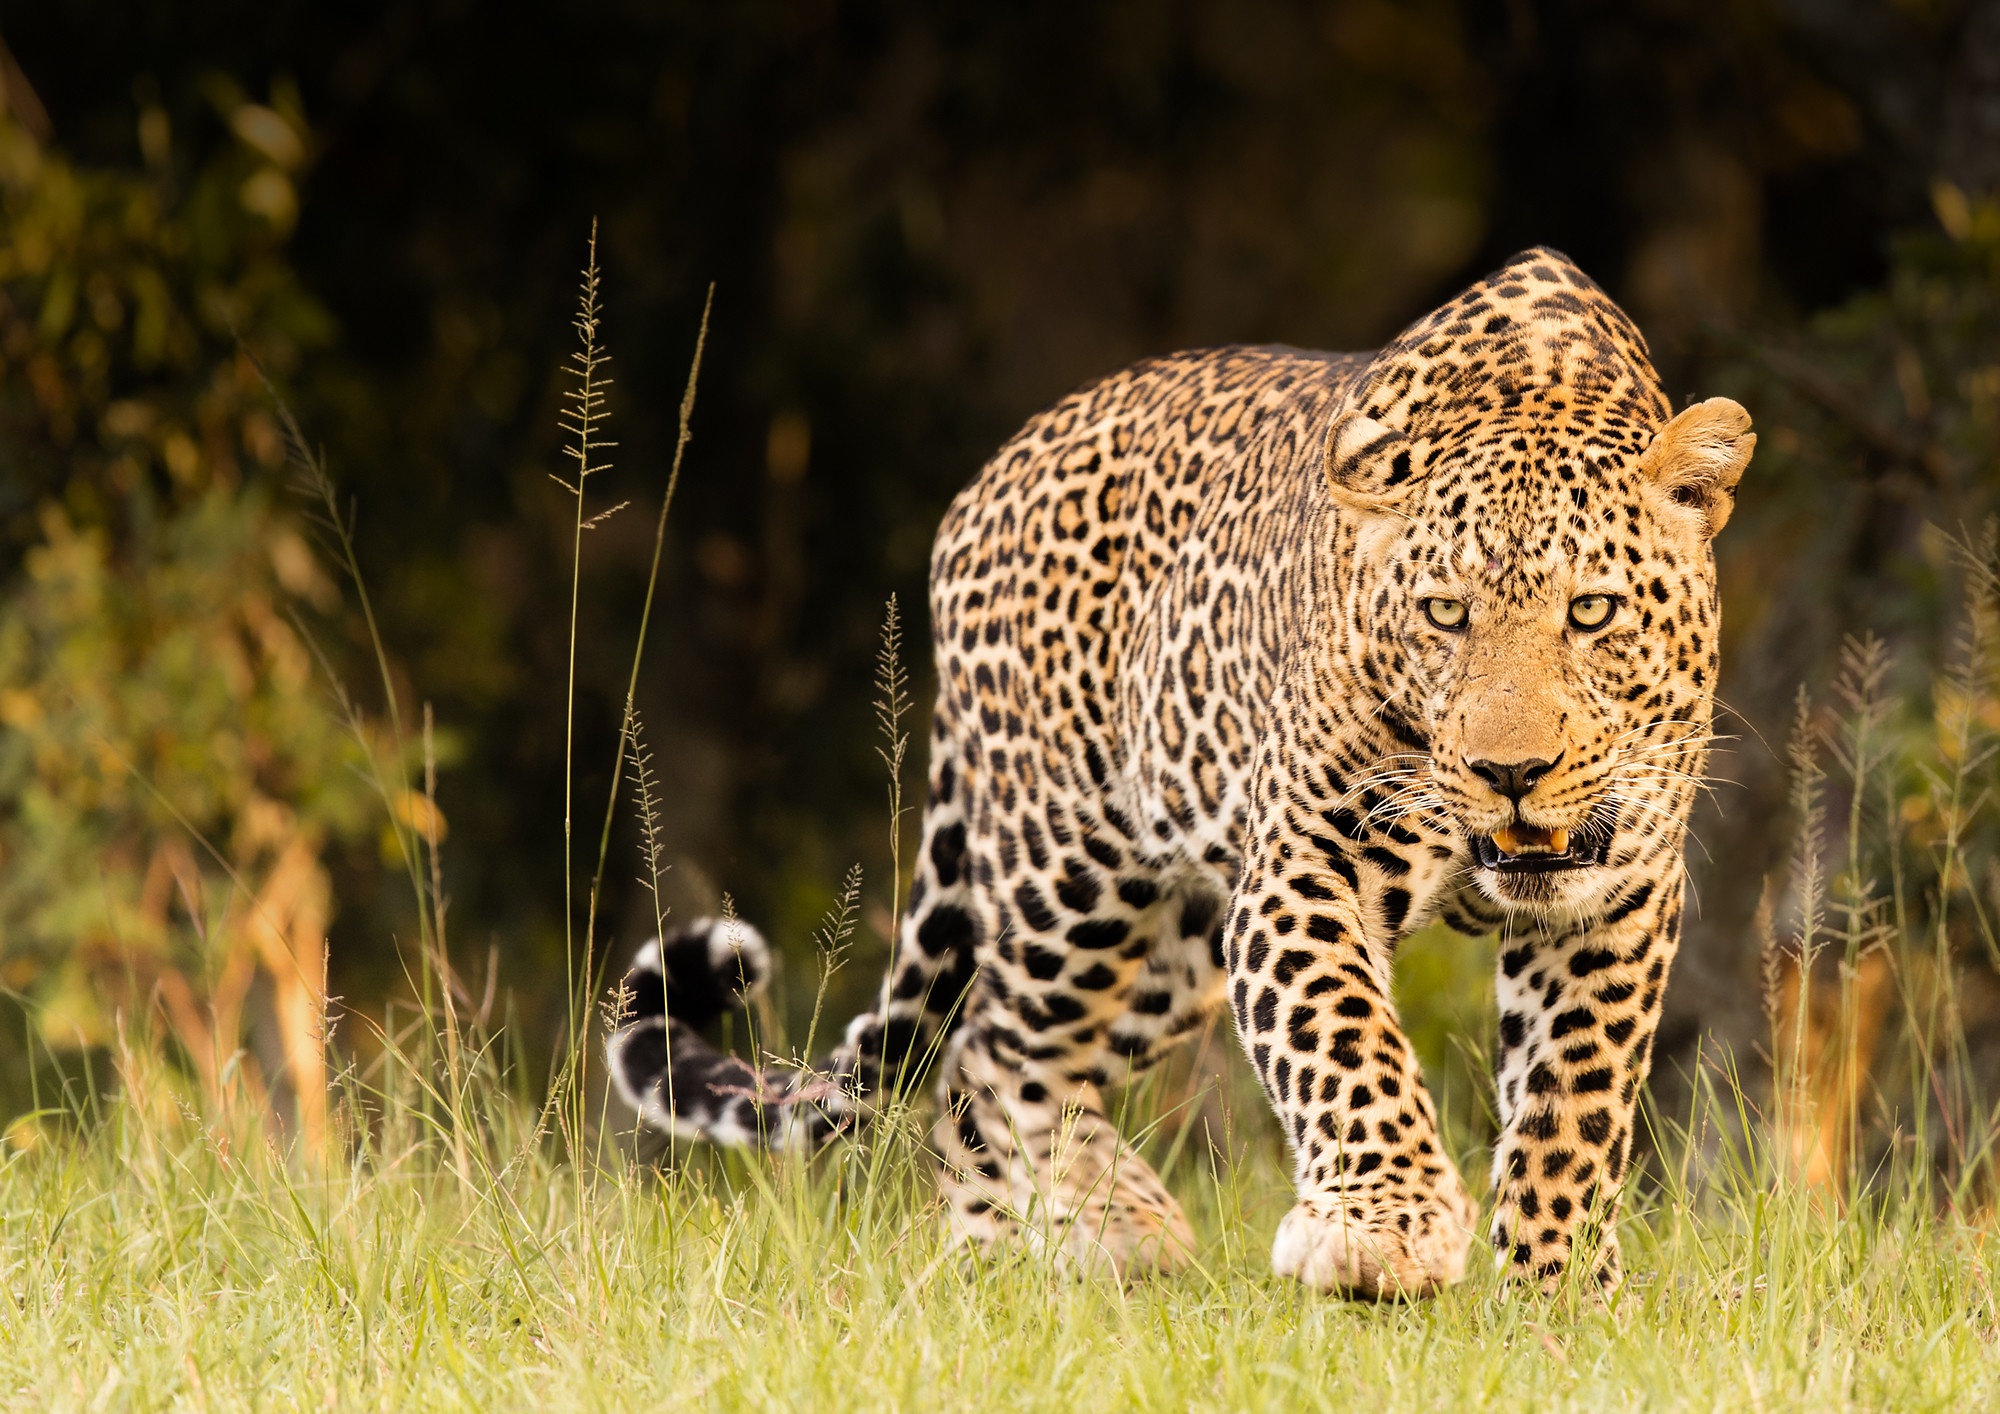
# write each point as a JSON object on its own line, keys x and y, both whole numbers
{"x": 695, "y": 972}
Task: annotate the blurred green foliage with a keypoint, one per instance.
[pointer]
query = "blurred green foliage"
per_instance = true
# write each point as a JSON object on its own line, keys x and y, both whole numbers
{"x": 1877, "y": 418}
{"x": 156, "y": 711}
{"x": 173, "y": 764}
{"x": 1878, "y": 462}
{"x": 127, "y": 291}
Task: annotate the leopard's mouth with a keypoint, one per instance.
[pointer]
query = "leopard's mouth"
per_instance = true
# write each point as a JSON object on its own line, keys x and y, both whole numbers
{"x": 1521, "y": 848}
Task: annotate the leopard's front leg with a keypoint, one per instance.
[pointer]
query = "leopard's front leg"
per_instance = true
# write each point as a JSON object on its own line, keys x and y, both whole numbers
{"x": 1381, "y": 1210}
{"x": 1579, "y": 1004}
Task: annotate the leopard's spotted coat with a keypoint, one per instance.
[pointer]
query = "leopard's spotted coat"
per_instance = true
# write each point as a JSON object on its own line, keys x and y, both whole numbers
{"x": 1198, "y": 743}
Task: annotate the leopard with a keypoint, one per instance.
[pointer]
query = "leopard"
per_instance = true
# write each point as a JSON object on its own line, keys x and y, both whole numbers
{"x": 1252, "y": 661}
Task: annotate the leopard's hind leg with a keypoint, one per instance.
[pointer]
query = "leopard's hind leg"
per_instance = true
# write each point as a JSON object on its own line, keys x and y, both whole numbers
{"x": 1029, "y": 1156}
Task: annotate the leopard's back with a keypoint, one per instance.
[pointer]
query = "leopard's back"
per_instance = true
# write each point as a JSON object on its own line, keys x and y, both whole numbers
{"x": 1113, "y": 593}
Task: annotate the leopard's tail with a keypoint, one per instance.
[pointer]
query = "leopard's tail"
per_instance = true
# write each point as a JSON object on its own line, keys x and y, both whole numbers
{"x": 683, "y": 1086}
{"x": 658, "y": 1059}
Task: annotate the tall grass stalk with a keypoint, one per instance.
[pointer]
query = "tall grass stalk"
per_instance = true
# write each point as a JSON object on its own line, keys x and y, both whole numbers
{"x": 832, "y": 940}
{"x": 1808, "y": 806}
{"x": 652, "y": 841}
{"x": 582, "y": 419}
{"x": 628, "y": 723}
{"x": 892, "y": 706}
{"x": 454, "y": 1061}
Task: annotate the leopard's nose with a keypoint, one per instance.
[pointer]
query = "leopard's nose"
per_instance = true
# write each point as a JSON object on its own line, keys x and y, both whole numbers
{"x": 1512, "y": 779}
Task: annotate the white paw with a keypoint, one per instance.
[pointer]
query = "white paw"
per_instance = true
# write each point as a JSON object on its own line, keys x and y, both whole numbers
{"x": 1323, "y": 1244}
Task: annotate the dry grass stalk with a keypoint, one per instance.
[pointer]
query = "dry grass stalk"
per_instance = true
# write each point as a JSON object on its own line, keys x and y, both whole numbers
{"x": 892, "y": 706}
{"x": 1816, "y": 1132}
{"x": 279, "y": 927}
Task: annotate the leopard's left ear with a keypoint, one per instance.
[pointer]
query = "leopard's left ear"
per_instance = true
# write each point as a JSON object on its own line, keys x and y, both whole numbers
{"x": 1698, "y": 458}
{"x": 1369, "y": 464}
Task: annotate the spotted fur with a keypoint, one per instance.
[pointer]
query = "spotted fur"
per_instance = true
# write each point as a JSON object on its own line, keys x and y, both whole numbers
{"x": 1209, "y": 732}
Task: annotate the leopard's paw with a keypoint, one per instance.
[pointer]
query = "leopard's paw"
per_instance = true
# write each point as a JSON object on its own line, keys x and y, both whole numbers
{"x": 1378, "y": 1251}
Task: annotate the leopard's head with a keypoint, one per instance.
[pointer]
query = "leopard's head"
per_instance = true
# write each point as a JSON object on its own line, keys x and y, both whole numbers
{"x": 1537, "y": 588}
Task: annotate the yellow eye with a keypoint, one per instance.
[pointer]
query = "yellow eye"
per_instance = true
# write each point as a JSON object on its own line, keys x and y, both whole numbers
{"x": 1591, "y": 611}
{"x": 1445, "y": 613}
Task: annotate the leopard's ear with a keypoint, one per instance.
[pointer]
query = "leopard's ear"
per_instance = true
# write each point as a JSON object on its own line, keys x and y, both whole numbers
{"x": 1368, "y": 464}
{"x": 1697, "y": 459}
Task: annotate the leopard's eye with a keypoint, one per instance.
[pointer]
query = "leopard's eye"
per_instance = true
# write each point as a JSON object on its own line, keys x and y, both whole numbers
{"x": 1591, "y": 612}
{"x": 1447, "y": 614}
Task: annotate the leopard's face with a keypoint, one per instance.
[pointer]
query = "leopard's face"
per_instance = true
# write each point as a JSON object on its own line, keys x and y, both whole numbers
{"x": 1547, "y": 603}
{"x": 1562, "y": 658}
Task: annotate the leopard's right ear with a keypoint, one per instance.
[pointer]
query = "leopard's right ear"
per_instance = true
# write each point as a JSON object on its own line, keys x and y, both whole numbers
{"x": 1370, "y": 465}
{"x": 1697, "y": 459}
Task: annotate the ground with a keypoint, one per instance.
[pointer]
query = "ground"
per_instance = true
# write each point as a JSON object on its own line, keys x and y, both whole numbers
{"x": 160, "y": 1263}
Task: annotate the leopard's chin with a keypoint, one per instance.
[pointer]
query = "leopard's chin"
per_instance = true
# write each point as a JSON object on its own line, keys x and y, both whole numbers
{"x": 1558, "y": 890}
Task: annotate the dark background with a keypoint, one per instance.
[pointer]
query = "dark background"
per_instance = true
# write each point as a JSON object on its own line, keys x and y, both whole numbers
{"x": 922, "y": 222}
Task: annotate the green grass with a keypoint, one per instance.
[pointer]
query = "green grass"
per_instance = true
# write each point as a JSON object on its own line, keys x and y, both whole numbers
{"x": 157, "y": 1259}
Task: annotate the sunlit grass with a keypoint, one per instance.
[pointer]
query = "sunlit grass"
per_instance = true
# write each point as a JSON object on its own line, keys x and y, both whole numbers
{"x": 160, "y": 1260}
